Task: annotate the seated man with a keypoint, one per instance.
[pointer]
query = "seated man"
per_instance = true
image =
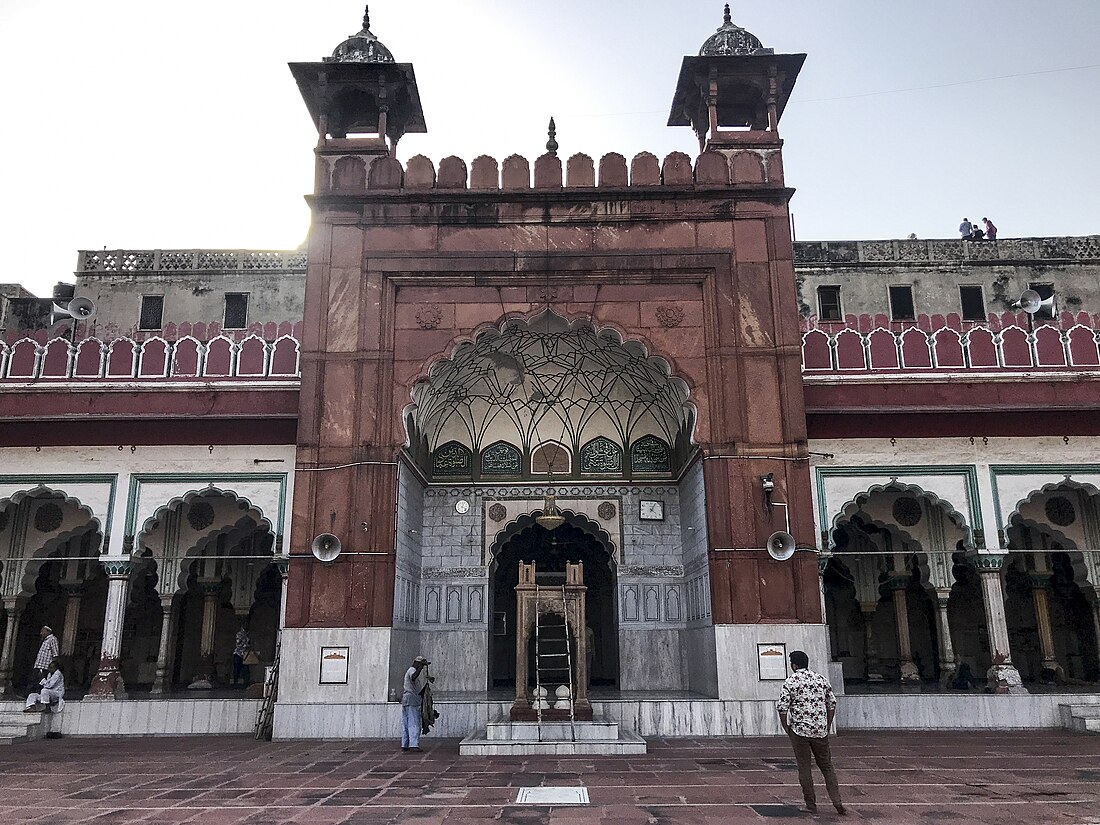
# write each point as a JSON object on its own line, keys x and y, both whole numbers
{"x": 52, "y": 691}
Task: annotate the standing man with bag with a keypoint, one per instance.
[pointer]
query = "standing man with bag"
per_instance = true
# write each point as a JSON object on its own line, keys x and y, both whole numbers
{"x": 416, "y": 680}
{"x": 806, "y": 709}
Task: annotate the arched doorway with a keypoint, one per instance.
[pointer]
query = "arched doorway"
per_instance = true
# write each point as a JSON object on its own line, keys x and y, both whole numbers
{"x": 528, "y": 541}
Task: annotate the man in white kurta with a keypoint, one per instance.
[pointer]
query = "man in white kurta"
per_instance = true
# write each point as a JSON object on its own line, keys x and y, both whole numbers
{"x": 52, "y": 690}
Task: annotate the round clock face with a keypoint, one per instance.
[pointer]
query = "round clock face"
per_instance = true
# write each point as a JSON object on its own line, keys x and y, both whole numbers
{"x": 462, "y": 506}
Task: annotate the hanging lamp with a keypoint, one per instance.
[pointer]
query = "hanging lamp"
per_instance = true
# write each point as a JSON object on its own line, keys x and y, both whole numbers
{"x": 551, "y": 517}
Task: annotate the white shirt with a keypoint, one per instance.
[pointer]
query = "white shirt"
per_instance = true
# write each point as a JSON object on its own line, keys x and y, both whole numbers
{"x": 413, "y": 684}
{"x": 54, "y": 681}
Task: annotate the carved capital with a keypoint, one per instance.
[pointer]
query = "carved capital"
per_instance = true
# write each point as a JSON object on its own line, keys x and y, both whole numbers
{"x": 117, "y": 568}
{"x": 987, "y": 562}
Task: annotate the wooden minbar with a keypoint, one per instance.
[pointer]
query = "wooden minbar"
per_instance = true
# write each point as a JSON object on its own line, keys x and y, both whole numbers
{"x": 567, "y": 602}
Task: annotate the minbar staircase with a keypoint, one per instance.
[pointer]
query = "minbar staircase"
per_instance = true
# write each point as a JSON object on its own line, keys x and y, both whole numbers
{"x": 16, "y": 726}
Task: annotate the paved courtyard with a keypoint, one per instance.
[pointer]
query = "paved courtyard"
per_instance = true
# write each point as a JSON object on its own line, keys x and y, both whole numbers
{"x": 1036, "y": 777}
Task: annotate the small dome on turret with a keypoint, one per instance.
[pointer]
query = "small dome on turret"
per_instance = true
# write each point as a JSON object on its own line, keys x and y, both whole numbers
{"x": 732, "y": 41}
{"x": 363, "y": 47}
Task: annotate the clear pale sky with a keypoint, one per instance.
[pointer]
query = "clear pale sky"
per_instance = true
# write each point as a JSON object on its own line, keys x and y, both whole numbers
{"x": 141, "y": 124}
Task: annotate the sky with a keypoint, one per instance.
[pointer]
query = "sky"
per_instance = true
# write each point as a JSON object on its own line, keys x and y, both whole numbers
{"x": 132, "y": 124}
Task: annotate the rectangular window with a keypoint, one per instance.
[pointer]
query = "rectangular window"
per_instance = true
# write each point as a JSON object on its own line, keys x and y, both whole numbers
{"x": 901, "y": 304}
{"x": 828, "y": 303}
{"x": 973, "y": 303}
{"x": 152, "y": 312}
{"x": 1045, "y": 291}
{"x": 236, "y": 310}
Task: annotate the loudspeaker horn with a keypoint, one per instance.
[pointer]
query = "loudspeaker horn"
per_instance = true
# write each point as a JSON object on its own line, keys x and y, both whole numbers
{"x": 79, "y": 309}
{"x": 781, "y": 546}
{"x": 326, "y": 547}
{"x": 1031, "y": 302}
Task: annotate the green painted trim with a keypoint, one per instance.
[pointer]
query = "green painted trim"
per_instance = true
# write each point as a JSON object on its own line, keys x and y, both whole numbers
{"x": 206, "y": 480}
{"x": 968, "y": 471}
{"x": 1027, "y": 470}
{"x": 110, "y": 479}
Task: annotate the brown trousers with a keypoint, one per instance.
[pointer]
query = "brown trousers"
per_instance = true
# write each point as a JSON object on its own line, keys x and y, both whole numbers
{"x": 804, "y": 748}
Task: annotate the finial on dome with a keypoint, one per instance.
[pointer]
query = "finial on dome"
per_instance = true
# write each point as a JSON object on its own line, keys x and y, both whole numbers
{"x": 726, "y": 18}
{"x": 552, "y": 144}
{"x": 366, "y": 17}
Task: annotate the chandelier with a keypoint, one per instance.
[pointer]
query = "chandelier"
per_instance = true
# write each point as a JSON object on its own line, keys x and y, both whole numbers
{"x": 551, "y": 517}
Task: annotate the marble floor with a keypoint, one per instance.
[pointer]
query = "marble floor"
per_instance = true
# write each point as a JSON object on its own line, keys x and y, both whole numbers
{"x": 1037, "y": 777}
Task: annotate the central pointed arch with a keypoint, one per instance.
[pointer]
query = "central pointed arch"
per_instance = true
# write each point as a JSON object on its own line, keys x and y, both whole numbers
{"x": 528, "y": 382}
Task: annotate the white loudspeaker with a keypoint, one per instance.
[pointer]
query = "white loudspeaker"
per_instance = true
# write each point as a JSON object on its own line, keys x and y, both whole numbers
{"x": 326, "y": 547}
{"x": 781, "y": 545}
{"x": 79, "y": 309}
{"x": 1030, "y": 302}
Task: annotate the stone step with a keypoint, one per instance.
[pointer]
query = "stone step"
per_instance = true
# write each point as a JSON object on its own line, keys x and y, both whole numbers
{"x": 628, "y": 744}
{"x": 504, "y": 730}
{"x": 1085, "y": 711}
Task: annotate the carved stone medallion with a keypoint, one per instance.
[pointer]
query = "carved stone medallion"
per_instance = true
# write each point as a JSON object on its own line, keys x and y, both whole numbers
{"x": 429, "y": 316}
{"x": 497, "y": 512}
{"x": 606, "y": 511}
{"x": 669, "y": 315}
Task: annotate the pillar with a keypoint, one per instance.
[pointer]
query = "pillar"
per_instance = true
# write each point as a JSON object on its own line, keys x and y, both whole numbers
{"x": 870, "y": 650}
{"x": 947, "y": 648}
{"x": 211, "y": 589}
{"x": 162, "y": 683}
{"x": 1002, "y": 676}
{"x": 823, "y": 563}
{"x": 1096, "y": 616}
{"x": 907, "y": 670}
{"x": 74, "y": 594}
{"x": 107, "y": 683}
{"x": 13, "y": 609}
{"x": 1040, "y": 582}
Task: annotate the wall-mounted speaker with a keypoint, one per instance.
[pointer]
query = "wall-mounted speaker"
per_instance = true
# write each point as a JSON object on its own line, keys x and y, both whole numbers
{"x": 326, "y": 547}
{"x": 781, "y": 546}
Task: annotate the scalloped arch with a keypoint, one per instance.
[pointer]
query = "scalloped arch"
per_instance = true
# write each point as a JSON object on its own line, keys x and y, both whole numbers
{"x": 1065, "y": 484}
{"x": 187, "y": 497}
{"x": 851, "y": 507}
{"x": 579, "y": 520}
{"x": 41, "y": 489}
{"x": 45, "y": 554}
{"x": 441, "y": 368}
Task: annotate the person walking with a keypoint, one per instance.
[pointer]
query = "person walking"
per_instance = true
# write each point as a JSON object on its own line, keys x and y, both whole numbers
{"x": 965, "y": 228}
{"x": 990, "y": 229}
{"x": 806, "y": 708}
{"x": 47, "y": 652}
{"x": 416, "y": 680}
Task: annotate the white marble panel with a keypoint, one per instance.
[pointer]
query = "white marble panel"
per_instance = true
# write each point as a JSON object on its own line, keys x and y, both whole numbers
{"x": 738, "y": 669}
{"x": 153, "y": 717}
{"x": 955, "y": 712}
{"x": 460, "y": 659}
{"x": 368, "y": 664}
{"x": 700, "y": 663}
{"x": 650, "y": 659}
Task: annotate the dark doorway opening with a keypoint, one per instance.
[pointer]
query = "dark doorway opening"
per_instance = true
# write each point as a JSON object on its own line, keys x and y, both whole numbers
{"x": 550, "y": 550}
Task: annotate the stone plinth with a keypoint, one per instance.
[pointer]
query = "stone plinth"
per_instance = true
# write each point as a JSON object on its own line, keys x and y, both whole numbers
{"x": 597, "y": 738}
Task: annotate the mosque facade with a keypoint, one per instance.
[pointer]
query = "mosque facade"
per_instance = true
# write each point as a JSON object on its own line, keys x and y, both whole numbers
{"x": 872, "y": 451}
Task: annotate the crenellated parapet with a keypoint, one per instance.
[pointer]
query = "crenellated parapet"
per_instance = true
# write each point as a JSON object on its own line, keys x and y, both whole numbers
{"x": 354, "y": 174}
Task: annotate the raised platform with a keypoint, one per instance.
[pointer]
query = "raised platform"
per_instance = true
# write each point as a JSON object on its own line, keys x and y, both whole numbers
{"x": 596, "y": 738}
{"x": 148, "y": 717}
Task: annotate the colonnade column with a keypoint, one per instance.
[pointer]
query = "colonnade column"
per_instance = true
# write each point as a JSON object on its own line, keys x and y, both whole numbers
{"x": 947, "y": 648}
{"x": 1039, "y": 579}
{"x": 1003, "y": 674}
{"x": 13, "y": 609}
{"x": 74, "y": 594}
{"x": 823, "y": 563}
{"x": 162, "y": 683}
{"x": 107, "y": 683}
{"x": 211, "y": 590}
{"x": 907, "y": 670}
{"x": 870, "y": 650}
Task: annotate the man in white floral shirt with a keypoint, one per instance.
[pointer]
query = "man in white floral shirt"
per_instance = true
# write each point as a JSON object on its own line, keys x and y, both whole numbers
{"x": 806, "y": 708}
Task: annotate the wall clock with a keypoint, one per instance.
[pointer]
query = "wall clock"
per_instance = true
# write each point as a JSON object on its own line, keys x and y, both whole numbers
{"x": 462, "y": 506}
{"x": 651, "y": 510}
